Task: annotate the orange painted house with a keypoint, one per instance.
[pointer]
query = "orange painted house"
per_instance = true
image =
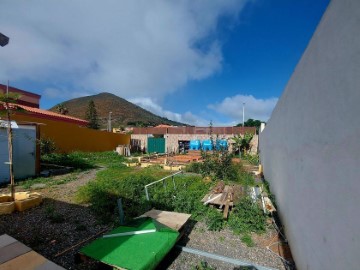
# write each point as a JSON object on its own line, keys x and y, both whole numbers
{"x": 68, "y": 133}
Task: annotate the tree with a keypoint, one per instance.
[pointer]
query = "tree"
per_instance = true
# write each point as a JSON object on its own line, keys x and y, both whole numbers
{"x": 251, "y": 123}
{"x": 91, "y": 116}
{"x": 8, "y": 107}
{"x": 62, "y": 109}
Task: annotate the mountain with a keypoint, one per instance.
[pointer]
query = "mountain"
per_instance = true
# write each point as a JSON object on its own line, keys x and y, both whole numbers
{"x": 124, "y": 113}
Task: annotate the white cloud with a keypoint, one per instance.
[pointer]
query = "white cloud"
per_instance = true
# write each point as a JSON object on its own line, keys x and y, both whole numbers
{"x": 187, "y": 117}
{"x": 259, "y": 109}
{"x": 130, "y": 48}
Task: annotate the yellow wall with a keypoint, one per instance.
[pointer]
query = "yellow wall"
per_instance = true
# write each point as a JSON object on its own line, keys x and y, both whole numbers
{"x": 70, "y": 137}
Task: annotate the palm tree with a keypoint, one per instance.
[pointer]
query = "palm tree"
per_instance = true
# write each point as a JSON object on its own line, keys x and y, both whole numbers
{"x": 242, "y": 142}
{"x": 62, "y": 109}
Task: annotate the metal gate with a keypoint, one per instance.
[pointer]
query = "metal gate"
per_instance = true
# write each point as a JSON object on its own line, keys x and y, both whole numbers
{"x": 24, "y": 153}
{"x": 156, "y": 145}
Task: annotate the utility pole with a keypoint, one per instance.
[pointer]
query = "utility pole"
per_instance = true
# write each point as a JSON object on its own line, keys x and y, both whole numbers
{"x": 109, "y": 122}
{"x": 243, "y": 114}
{"x": 10, "y": 144}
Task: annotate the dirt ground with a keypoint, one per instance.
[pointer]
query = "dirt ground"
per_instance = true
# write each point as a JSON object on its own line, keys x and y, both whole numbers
{"x": 59, "y": 223}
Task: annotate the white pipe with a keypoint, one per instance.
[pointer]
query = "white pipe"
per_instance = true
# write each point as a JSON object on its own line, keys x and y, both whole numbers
{"x": 263, "y": 204}
{"x": 223, "y": 258}
{"x": 213, "y": 199}
{"x": 129, "y": 233}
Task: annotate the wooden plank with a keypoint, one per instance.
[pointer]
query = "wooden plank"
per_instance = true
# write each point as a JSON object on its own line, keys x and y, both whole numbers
{"x": 12, "y": 251}
{"x": 219, "y": 187}
{"x": 231, "y": 193}
{"x": 6, "y": 240}
{"x": 173, "y": 220}
{"x": 226, "y": 210}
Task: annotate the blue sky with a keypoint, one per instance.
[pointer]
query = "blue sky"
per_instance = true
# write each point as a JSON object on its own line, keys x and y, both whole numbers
{"x": 190, "y": 60}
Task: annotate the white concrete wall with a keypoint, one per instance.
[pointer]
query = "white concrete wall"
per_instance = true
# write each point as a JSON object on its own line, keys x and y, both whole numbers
{"x": 310, "y": 148}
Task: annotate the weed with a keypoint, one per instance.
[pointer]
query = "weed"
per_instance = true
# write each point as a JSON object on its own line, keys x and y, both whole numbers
{"x": 26, "y": 184}
{"x": 52, "y": 215}
{"x": 48, "y": 181}
{"x": 203, "y": 266}
{"x": 66, "y": 179}
{"x": 214, "y": 220}
{"x": 247, "y": 240}
{"x": 246, "y": 179}
{"x": 253, "y": 159}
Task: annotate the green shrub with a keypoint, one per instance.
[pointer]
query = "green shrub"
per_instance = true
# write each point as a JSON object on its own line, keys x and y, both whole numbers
{"x": 194, "y": 167}
{"x": 218, "y": 165}
{"x": 47, "y": 146}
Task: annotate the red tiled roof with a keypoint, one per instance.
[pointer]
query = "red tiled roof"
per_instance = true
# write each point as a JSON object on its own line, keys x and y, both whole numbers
{"x": 51, "y": 115}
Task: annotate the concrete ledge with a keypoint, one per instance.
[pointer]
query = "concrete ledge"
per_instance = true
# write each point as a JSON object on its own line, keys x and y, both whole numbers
{"x": 7, "y": 207}
{"x": 32, "y": 200}
{"x": 173, "y": 168}
{"x": 131, "y": 164}
{"x": 23, "y": 201}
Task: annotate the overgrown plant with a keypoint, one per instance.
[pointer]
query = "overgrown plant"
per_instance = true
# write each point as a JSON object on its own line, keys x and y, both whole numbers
{"x": 247, "y": 217}
{"x": 253, "y": 159}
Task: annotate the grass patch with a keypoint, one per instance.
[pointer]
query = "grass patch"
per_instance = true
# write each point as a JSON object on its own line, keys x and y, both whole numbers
{"x": 115, "y": 182}
{"x": 82, "y": 160}
{"x": 48, "y": 181}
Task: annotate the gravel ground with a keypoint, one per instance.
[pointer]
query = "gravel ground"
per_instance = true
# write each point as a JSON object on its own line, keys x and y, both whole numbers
{"x": 60, "y": 223}
{"x": 227, "y": 244}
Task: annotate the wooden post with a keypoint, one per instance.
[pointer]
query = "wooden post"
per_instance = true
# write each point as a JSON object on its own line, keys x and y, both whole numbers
{"x": 10, "y": 148}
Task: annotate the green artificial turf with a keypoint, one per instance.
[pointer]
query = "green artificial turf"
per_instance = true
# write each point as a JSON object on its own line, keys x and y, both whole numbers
{"x": 142, "y": 251}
